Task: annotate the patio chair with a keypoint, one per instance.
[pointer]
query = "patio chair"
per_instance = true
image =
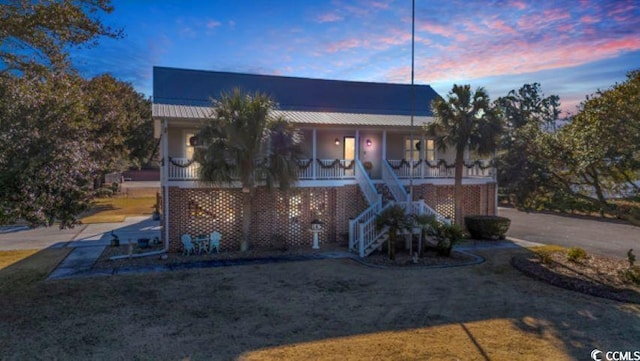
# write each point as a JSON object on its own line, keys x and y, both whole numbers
{"x": 214, "y": 242}
{"x": 187, "y": 245}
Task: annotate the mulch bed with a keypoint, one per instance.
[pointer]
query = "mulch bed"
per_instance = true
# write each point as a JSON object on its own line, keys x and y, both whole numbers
{"x": 595, "y": 275}
{"x": 377, "y": 259}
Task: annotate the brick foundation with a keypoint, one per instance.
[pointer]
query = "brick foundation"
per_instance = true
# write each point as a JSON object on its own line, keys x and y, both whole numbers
{"x": 275, "y": 214}
{"x": 288, "y": 215}
{"x": 476, "y": 198}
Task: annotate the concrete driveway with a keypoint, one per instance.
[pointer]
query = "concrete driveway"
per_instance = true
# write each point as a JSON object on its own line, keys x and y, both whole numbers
{"x": 599, "y": 237}
{"x": 81, "y": 236}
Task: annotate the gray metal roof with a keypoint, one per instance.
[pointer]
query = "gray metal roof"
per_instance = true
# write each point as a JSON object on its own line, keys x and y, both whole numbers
{"x": 170, "y": 111}
{"x": 198, "y": 87}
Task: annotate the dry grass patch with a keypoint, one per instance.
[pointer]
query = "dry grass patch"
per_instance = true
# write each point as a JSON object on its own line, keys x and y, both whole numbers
{"x": 492, "y": 339}
{"x": 20, "y": 269}
{"x": 107, "y": 210}
{"x": 309, "y": 310}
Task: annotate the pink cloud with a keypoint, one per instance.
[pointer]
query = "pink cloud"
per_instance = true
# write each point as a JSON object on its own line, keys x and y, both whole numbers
{"x": 330, "y": 17}
{"x": 520, "y": 5}
{"x": 343, "y": 45}
{"x": 499, "y": 25}
{"x": 213, "y": 24}
{"x": 589, "y": 19}
{"x": 538, "y": 21}
{"x": 445, "y": 31}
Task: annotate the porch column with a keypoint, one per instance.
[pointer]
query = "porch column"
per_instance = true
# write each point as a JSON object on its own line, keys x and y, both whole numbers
{"x": 357, "y": 144}
{"x": 313, "y": 160}
{"x": 164, "y": 177}
{"x": 423, "y": 155}
{"x": 384, "y": 145}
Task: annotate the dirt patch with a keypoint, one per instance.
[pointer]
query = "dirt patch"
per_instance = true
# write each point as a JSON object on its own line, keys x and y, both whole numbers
{"x": 594, "y": 275}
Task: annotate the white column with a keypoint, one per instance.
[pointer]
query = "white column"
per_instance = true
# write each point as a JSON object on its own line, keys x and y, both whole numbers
{"x": 357, "y": 144}
{"x": 314, "y": 155}
{"x": 423, "y": 154}
{"x": 164, "y": 180}
{"x": 384, "y": 145}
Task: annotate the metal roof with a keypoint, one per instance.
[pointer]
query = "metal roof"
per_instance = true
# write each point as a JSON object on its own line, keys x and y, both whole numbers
{"x": 170, "y": 111}
{"x": 198, "y": 87}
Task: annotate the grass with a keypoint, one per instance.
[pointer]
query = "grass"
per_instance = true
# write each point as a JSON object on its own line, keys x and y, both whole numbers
{"x": 21, "y": 269}
{"x": 295, "y": 311}
{"x": 107, "y": 210}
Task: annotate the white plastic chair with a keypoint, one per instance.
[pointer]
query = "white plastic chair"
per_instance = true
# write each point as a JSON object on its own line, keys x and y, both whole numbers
{"x": 187, "y": 245}
{"x": 214, "y": 241}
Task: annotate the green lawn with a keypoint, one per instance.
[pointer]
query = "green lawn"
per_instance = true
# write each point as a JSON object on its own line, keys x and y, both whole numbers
{"x": 106, "y": 210}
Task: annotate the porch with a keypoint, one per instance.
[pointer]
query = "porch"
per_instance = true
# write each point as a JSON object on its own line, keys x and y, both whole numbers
{"x": 183, "y": 169}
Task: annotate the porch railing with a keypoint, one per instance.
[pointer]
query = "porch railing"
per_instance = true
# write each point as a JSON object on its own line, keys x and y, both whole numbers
{"x": 182, "y": 169}
{"x": 368, "y": 189}
{"x": 439, "y": 169}
{"x": 393, "y": 183}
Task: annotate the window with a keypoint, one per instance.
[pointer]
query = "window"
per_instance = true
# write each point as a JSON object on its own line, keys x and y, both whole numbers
{"x": 412, "y": 148}
{"x": 430, "y": 150}
{"x": 188, "y": 148}
{"x": 428, "y": 153}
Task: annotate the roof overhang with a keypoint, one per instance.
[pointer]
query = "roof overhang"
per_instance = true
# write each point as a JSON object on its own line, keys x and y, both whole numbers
{"x": 188, "y": 112}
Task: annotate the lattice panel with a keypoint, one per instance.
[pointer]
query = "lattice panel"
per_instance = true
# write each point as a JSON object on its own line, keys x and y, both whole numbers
{"x": 201, "y": 211}
{"x": 289, "y": 215}
{"x": 476, "y": 199}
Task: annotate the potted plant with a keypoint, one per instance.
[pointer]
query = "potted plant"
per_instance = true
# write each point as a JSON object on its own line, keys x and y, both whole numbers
{"x": 115, "y": 241}
{"x": 143, "y": 242}
{"x": 397, "y": 221}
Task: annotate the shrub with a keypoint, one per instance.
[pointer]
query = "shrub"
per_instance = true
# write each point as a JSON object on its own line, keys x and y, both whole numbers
{"x": 487, "y": 227}
{"x": 104, "y": 192}
{"x": 631, "y": 275}
{"x": 447, "y": 235}
{"x": 576, "y": 253}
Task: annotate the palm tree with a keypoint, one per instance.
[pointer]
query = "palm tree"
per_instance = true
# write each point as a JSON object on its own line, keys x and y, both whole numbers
{"x": 395, "y": 218}
{"x": 242, "y": 141}
{"x": 465, "y": 119}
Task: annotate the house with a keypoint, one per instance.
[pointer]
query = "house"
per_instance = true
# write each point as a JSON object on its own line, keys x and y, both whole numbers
{"x": 359, "y": 140}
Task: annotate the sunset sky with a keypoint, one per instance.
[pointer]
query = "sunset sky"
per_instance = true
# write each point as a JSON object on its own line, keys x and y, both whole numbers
{"x": 572, "y": 48}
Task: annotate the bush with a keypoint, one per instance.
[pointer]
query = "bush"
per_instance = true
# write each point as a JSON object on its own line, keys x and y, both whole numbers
{"x": 631, "y": 275}
{"x": 447, "y": 235}
{"x": 576, "y": 253}
{"x": 104, "y": 192}
{"x": 487, "y": 227}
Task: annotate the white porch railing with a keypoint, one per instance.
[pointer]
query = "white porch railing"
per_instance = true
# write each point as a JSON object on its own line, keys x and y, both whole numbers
{"x": 368, "y": 189}
{"x": 402, "y": 169}
{"x": 335, "y": 168}
{"x": 393, "y": 183}
{"x": 182, "y": 169}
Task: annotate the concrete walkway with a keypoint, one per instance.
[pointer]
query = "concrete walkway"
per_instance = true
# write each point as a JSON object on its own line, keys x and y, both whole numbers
{"x": 88, "y": 241}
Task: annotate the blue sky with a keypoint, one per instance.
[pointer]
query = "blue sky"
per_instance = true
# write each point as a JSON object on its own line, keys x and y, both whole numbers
{"x": 572, "y": 48}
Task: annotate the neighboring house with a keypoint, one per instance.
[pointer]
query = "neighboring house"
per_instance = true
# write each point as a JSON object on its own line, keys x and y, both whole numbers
{"x": 358, "y": 142}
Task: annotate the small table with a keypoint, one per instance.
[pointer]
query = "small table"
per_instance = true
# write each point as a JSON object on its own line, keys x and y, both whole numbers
{"x": 201, "y": 242}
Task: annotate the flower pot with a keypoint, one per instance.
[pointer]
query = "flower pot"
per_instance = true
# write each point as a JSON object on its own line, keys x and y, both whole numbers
{"x": 143, "y": 242}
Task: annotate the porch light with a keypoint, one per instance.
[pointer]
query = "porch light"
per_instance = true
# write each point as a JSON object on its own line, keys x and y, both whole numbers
{"x": 337, "y": 141}
{"x": 368, "y": 142}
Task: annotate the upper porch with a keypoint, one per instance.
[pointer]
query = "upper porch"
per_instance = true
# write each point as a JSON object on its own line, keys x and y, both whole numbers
{"x": 330, "y": 154}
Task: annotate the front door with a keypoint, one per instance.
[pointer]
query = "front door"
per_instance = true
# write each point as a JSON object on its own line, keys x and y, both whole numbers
{"x": 349, "y": 151}
{"x": 349, "y": 154}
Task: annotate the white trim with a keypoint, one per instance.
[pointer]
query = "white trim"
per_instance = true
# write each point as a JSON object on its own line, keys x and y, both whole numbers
{"x": 449, "y": 181}
{"x": 164, "y": 182}
{"x": 315, "y": 156}
{"x": 237, "y": 185}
